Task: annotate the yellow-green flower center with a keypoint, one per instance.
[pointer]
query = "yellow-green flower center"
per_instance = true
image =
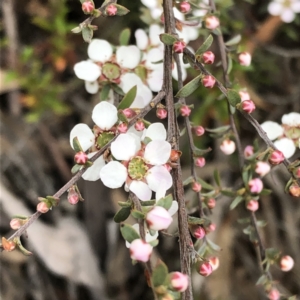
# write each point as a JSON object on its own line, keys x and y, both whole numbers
{"x": 137, "y": 168}
{"x": 104, "y": 138}
{"x": 111, "y": 71}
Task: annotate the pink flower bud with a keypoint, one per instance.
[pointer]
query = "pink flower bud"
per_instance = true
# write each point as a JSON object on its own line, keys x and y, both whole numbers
{"x": 245, "y": 59}
{"x": 140, "y": 250}
{"x": 81, "y": 158}
{"x": 208, "y": 57}
{"x": 286, "y": 263}
{"x": 294, "y": 190}
{"x": 248, "y": 106}
{"x": 276, "y": 157}
{"x": 297, "y": 173}
{"x": 208, "y": 81}
{"x": 88, "y": 7}
{"x": 73, "y": 196}
{"x": 185, "y": 111}
{"x": 244, "y": 95}
{"x": 211, "y": 203}
{"x": 205, "y": 269}
{"x": 253, "y": 205}
{"x": 196, "y": 187}
{"x": 184, "y": 7}
{"x": 139, "y": 125}
{"x": 262, "y": 168}
{"x": 122, "y": 127}
{"x": 199, "y": 232}
{"x": 212, "y": 22}
{"x": 227, "y": 147}
{"x": 212, "y": 227}
{"x": 129, "y": 113}
{"x": 161, "y": 113}
{"x": 214, "y": 262}
{"x": 199, "y": 130}
{"x": 249, "y": 151}
{"x": 42, "y": 207}
{"x": 15, "y": 224}
{"x": 111, "y": 10}
{"x": 200, "y": 162}
{"x": 179, "y": 46}
{"x": 274, "y": 294}
{"x": 255, "y": 185}
{"x": 179, "y": 281}
{"x": 158, "y": 218}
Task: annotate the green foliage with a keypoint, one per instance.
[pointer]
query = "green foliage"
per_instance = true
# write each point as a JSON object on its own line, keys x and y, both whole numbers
{"x": 128, "y": 98}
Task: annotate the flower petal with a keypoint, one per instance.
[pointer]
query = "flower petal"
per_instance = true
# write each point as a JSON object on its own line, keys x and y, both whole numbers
{"x": 154, "y": 55}
{"x": 100, "y": 50}
{"x": 292, "y": 119}
{"x": 272, "y": 129}
{"x": 84, "y": 134}
{"x": 158, "y": 176}
{"x": 105, "y": 115}
{"x": 128, "y": 56}
{"x": 141, "y": 190}
{"x": 91, "y": 87}
{"x": 154, "y": 32}
{"x": 286, "y": 146}
{"x": 129, "y": 80}
{"x": 141, "y": 39}
{"x": 157, "y": 152}
{"x": 113, "y": 175}
{"x": 287, "y": 15}
{"x": 156, "y": 131}
{"x": 175, "y": 74}
{"x": 87, "y": 70}
{"x": 155, "y": 79}
{"x": 275, "y": 8}
{"x": 124, "y": 147}
{"x": 173, "y": 209}
{"x": 92, "y": 173}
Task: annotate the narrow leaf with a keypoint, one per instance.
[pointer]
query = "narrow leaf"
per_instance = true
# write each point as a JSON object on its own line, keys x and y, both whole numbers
{"x": 188, "y": 180}
{"x": 205, "y": 46}
{"x": 148, "y": 203}
{"x": 129, "y": 233}
{"x": 159, "y": 274}
{"x": 205, "y": 185}
{"x": 235, "y": 40}
{"x": 76, "y": 145}
{"x": 200, "y": 152}
{"x": 128, "y": 98}
{"x": 217, "y": 177}
{"x": 195, "y": 221}
{"x": 122, "y": 214}
{"x": 236, "y": 202}
{"x": 167, "y": 39}
{"x": 137, "y": 214}
{"x": 87, "y": 34}
{"x": 104, "y": 92}
{"x": 121, "y": 10}
{"x": 165, "y": 202}
{"x": 124, "y": 37}
{"x": 190, "y": 87}
{"x": 233, "y": 97}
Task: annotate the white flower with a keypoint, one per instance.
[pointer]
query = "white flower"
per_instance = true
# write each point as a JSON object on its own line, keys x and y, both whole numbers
{"x": 286, "y": 9}
{"x": 292, "y": 119}
{"x": 286, "y": 146}
{"x": 136, "y": 170}
{"x": 92, "y": 173}
{"x": 272, "y": 129}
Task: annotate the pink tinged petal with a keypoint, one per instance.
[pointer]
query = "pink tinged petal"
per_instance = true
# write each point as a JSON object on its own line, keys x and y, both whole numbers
{"x": 91, "y": 87}
{"x": 158, "y": 176}
{"x": 140, "y": 250}
{"x": 286, "y": 146}
{"x": 275, "y": 8}
{"x": 100, "y": 50}
{"x": 129, "y": 80}
{"x": 291, "y": 119}
{"x": 105, "y": 115}
{"x": 158, "y": 218}
{"x": 272, "y": 129}
{"x": 84, "y": 134}
{"x": 287, "y": 15}
{"x": 141, "y": 39}
{"x": 295, "y": 5}
{"x": 141, "y": 190}
{"x": 157, "y": 152}
{"x": 113, "y": 175}
{"x": 87, "y": 70}
{"x": 155, "y": 80}
{"x": 174, "y": 208}
{"x": 92, "y": 173}
{"x": 160, "y": 193}
{"x": 124, "y": 147}
{"x": 156, "y": 131}
{"x": 128, "y": 56}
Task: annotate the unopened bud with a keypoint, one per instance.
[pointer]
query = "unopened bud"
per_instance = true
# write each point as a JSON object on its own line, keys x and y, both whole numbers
{"x": 208, "y": 81}
{"x": 297, "y": 172}
{"x": 42, "y": 207}
{"x": 139, "y": 125}
{"x": 161, "y": 113}
{"x": 228, "y": 147}
{"x": 179, "y": 281}
{"x": 253, "y": 205}
{"x": 212, "y": 22}
{"x": 198, "y": 232}
{"x": 184, "y": 7}
{"x": 196, "y": 187}
{"x": 81, "y": 158}
{"x": 73, "y": 196}
{"x": 262, "y": 168}
{"x": 205, "y": 269}
{"x": 8, "y": 245}
{"x": 274, "y": 294}
{"x": 245, "y": 59}
{"x": 276, "y": 157}
{"x": 249, "y": 151}
{"x": 211, "y": 228}
{"x": 140, "y": 250}
{"x": 255, "y": 185}
{"x": 179, "y": 46}
{"x": 111, "y": 10}
{"x": 158, "y": 218}
{"x": 185, "y": 111}
{"x": 200, "y": 162}
{"x": 208, "y": 58}
{"x": 122, "y": 128}
{"x": 211, "y": 203}
{"x": 294, "y": 190}
{"x": 15, "y": 224}
{"x": 214, "y": 262}
{"x": 244, "y": 95}
{"x": 286, "y": 263}
{"x": 248, "y": 106}
{"x": 88, "y": 7}
{"x": 199, "y": 130}
{"x": 129, "y": 113}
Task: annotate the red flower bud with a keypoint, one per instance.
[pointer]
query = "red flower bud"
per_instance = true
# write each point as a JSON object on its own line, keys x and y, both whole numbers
{"x": 248, "y": 106}
{"x": 111, "y": 10}
{"x": 88, "y": 7}
{"x": 200, "y": 162}
{"x": 8, "y": 245}
{"x": 286, "y": 263}
{"x": 179, "y": 281}
{"x": 253, "y": 205}
{"x": 208, "y": 81}
{"x": 42, "y": 207}
{"x": 199, "y": 130}
{"x": 129, "y": 113}
{"x": 139, "y": 125}
{"x": 185, "y": 111}
{"x": 294, "y": 190}
{"x": 122, "y": 127}
{"x": 211, "y": 203}
{"x": 274, "y": 294}
{"x": 196, "y": 187}
{"x": 255, "y": 185}
{"x": 161, "y": 113}
{"x": 212, "y": 22}
{"x": 15, "y": 224}
{"x": 249, "y": 151}
{"x": 198, "y": 232}
{"x": 184, "y": 7}
{"x": 205, "y": 269}
{"x": 245, "y": 59}
{"x": 140, "y": 250}
{"x": 276, "y": 157}
{"x": 208, "y": 57}
{"x": 214, "y": 262}
{"x": 179, "y": 46}
{"x": 81, "y": 158}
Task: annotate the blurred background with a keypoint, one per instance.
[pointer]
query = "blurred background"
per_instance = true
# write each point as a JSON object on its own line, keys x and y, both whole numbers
{"x": 78, "y": 251}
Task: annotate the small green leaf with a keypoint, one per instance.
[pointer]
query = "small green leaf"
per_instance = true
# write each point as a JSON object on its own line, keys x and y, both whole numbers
{"x": 167, "y": 39}
{"x": 221, "y": 129}
{"x": 87, "y": 34}
{"x": 121, "y": 10}
{"x": 76, "y": 145}
{"x": 230, "y": 64}
{"x": 217, "y": 177}
{"x": 137, "y": 214}
{"x": 261, "y": 223}
{"x": 195, "y": 221}
{"x": 205, "y": 185}
{"x": 124, "y": 204}
{"x": 128, "y": 98}
{"x": 246, "y": 176}
{"x": 190, "y": 87}
{"x": 75, "y": 168}
{"x": 272, "y": 254}
{"x": 124, "y": 37}
{"x": 228, "y": 193}
{"x": 159, "y": 274}
{"x": 122, "y": 214}
{"x": 265, "y": 192}
{"x": 154, "y": 243}
{"x": 213, "y": 246}
{"x": 165, "y": 202}
{"x": 205, "y": 46}
{"x": 104, "y": 92}
{"x": 235, "y": 40}
{"x": 200, "y": 152}
{"x": 233, "y": 97}
{"x": 76, "y": 29}
{"x": 188, "y": 180}
{"x": 262, "y": 280}
{"x": 244, "y": 221}
{"x": 129, "y": 233}
{"x": 236, "y": 202}
{"x": 117, "y": 89}
{"x": 148, "y": 203}
{"x": 122, "y": 117}
{"x": 21, "y": 247}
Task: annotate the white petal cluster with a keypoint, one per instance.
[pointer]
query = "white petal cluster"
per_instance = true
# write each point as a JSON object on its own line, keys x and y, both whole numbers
{"x": 286, "y": 9}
